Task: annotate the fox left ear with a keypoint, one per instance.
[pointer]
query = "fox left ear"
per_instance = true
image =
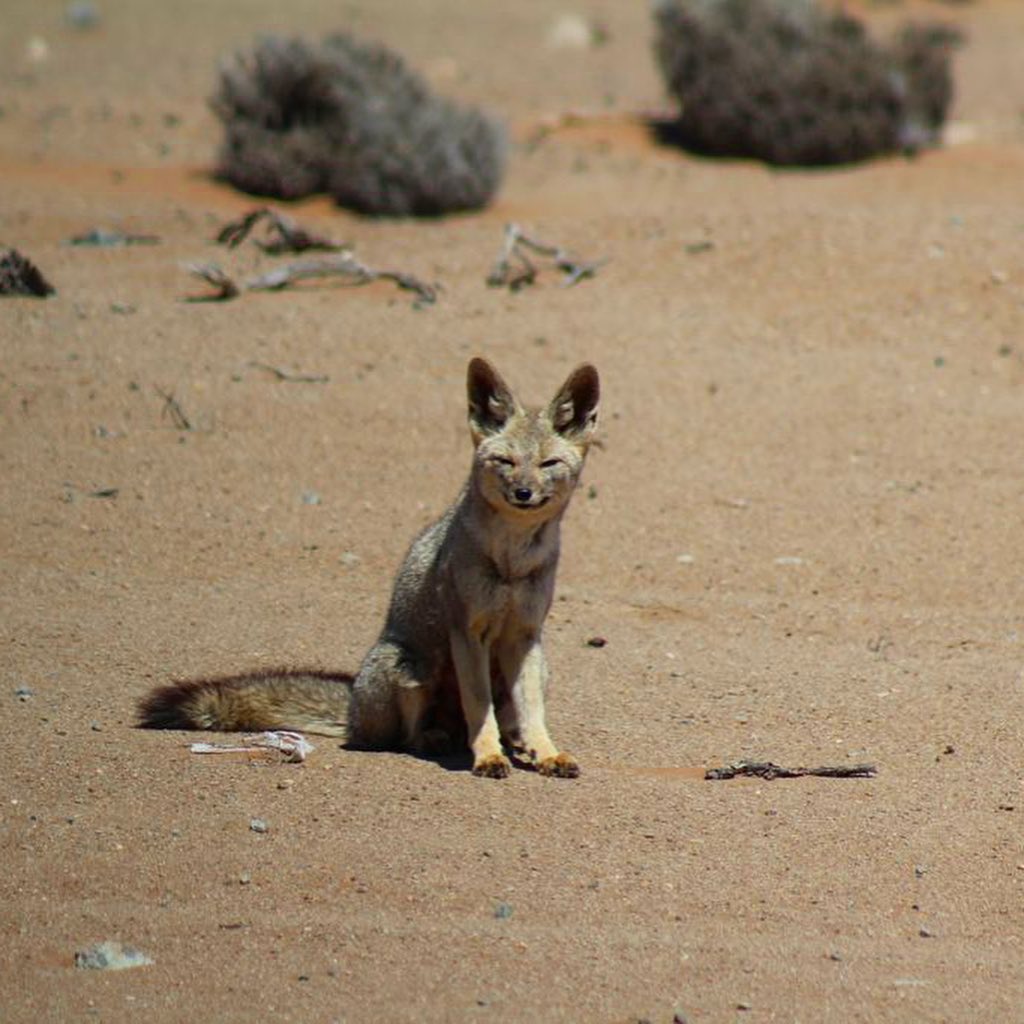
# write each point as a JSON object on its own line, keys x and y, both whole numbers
{"x": 573, "y": 411}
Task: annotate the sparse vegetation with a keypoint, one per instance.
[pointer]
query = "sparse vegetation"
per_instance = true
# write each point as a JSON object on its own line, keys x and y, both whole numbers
{"x": 349, "y": 118}
{"x": 785, "y": 82}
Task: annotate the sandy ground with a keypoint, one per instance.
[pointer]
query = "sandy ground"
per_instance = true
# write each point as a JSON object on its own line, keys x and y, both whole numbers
{"x": 801, "y": 540}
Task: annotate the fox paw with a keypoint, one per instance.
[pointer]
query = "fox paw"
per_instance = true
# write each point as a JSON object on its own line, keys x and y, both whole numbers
{"x": 494, "y": 766}
{"x": 562, "y": 766}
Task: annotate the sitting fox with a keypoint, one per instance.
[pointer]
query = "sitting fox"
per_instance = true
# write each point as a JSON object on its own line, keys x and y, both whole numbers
{"x": 460, "y": 657}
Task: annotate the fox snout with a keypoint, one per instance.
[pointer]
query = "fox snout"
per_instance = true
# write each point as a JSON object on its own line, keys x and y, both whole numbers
{"x": 527, "y": 497}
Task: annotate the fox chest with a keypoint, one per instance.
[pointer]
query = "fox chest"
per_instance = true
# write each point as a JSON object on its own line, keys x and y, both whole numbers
{"x": 499, "y": 606}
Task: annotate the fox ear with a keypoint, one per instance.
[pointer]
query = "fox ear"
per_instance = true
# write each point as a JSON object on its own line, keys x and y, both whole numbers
{"x": 573, "y": 411}
{"x": 491, "y": 401}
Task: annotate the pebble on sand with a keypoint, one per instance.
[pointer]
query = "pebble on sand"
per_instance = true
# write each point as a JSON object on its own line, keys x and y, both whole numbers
{"x": 111, "y": 956}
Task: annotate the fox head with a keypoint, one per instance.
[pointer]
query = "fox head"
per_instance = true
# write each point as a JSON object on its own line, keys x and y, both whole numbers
{"x": 527, "y": 461}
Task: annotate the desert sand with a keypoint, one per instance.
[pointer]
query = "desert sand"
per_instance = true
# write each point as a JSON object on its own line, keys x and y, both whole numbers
{"x": 800, "y": 540}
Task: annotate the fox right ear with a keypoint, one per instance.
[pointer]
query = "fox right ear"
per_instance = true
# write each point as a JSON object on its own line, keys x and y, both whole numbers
{"x": 491, "y": 401}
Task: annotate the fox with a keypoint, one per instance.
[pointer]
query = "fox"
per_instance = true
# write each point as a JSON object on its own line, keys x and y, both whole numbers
{"x": 459, "y": 659}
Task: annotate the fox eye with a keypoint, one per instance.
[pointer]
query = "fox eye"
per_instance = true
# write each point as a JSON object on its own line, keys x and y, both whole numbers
{"x": 503, "y": 460}
{"x": 550, "y": 463}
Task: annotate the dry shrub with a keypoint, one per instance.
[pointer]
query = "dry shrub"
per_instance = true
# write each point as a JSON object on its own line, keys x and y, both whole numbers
{"x": 349, "y": 118}
{"x": 785, "y": 82}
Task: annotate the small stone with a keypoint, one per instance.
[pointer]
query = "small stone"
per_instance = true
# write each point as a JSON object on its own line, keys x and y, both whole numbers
{"x": 575, "y": 32}
{"x": 258, "y": 825}
{"x": 596, "y": 641}
{"x": 37, "y": 50}
{"x": 310, "y": 498}
{"x": 925, "y": 933}
{"x": 24, "y": 693}
{"x": 110, "y": 956}
{"x": 698, "y": 247}
{"x": 503, "y": 911}
{"x": 82, "y": 14}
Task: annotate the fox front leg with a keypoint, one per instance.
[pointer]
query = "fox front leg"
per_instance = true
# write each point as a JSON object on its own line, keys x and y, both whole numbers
{"x": 472, "y": 667}
{"x": 523, "y": 665}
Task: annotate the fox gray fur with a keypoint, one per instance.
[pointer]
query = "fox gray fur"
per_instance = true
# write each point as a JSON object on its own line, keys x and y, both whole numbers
{"x": 460, "y": 656}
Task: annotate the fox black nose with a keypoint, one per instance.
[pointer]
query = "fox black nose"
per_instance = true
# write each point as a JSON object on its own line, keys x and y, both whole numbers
{"x": 522, "y": 494}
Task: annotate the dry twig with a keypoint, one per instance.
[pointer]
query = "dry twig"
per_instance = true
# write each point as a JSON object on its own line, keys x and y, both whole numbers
{"x": 514, "y": 269}
{"x": 102, "y": 238}
{"x": 291, "y": 378}
{"x": 172, "y": 407}
{"x": 282, "y": 234}
{"x": 768, "y": 770}
{"x": 342, "y": 264}
{"x": 212, "y": 274}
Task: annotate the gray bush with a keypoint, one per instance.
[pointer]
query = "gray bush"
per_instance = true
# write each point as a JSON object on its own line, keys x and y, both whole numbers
{"x": 349, "y": 118}
{"x": 784, "y": 82}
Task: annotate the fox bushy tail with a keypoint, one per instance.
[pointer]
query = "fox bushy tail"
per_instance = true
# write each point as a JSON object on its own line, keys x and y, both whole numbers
{"x": 305, "y": 700}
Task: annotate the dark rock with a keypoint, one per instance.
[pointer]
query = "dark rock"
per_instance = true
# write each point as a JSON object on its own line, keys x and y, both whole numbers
{"x": 20, "y": 276}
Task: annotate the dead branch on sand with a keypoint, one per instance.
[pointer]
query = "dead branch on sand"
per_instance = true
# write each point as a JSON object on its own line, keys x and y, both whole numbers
{"x": 514, "y": 269}
{"x": 343, "y": 264}
{"x": 105, "y": 239}
{"x": 172, "y": 408}
{"x": 282, "y": 234}
{"x": 289, "y": 377}
{"x": 767, "y": 770}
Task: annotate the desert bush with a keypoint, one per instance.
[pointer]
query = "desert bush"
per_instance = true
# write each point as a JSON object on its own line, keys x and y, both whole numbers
{"x": 785, "y": 82}
{"x": 349, "y": 118}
